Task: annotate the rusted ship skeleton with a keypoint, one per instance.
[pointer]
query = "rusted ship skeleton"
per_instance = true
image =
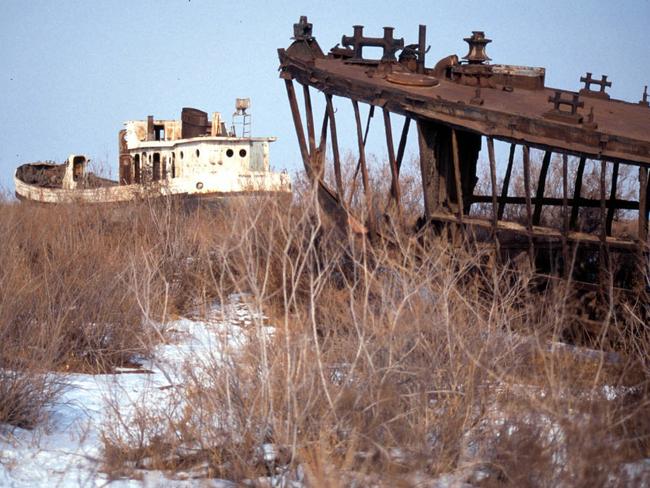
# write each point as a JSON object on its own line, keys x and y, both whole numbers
{"x": 454, "y": 105}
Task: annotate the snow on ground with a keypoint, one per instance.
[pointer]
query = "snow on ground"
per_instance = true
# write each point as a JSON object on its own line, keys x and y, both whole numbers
{"x": 66, "y": 450}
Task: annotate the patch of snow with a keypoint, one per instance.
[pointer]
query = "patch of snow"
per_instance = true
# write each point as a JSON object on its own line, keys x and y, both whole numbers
{"x": 66, "y": 451}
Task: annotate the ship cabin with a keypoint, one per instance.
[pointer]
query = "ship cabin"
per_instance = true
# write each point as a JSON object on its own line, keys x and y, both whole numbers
{"x": 157, "y": 150}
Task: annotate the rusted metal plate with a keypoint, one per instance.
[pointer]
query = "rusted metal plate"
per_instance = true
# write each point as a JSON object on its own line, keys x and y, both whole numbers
{"x": 507, "y": 112}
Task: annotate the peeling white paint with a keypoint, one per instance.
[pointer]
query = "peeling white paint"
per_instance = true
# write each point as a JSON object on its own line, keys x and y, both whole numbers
{"x": 215, "y": 164}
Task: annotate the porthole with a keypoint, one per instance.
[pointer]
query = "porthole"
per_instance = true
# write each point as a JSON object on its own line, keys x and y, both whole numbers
{"x": 242, "y": 153}
{"x": 181, "y": 154}
{"x": 229, "y": 153}
{"x": 197, "y": 153}
{"x": 199, "y": 185}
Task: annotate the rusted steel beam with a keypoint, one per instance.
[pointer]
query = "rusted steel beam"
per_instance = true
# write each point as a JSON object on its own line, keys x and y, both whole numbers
{"x": 327, "y": 199}
{"x": 529, "y": 210}
{"x": 300, "y": 132}
{"x": 427, "y": 142}
{"x": 603, "y": 252}
{"x": 506, "y": 181}
{"x": 309, "y": 115}
{"x": 533, "y": 130}
{"x": 612, "y": 198}
{"x": 582, "y": 202}
{"x": 546, "y": 234}
{"x": 353, "y": 190}
{"x": 335, "y": 147}
{"x": 394, "y": 187}
{"x": 457, "y": 180}
{"x": 322, "y": 146}
{"x": 642, "y": 250}
{"x": 422, "y": 47}
{"x": 372, "y": 228}
{"x": 643, "y": 206}
{"x": 565, "y": 215}
{"x": 576, "y": 192}
{"x": 541, "y": 186}
{"x": 493, "y": 181}
{"x": 402, "y": 143}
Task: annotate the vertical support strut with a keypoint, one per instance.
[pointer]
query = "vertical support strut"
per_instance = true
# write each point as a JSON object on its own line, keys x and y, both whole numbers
{"x": 371, "y": 114}
{"x": 493, "y": 181}
{"x": 529, "y": 210}
{"x": 506, "y": 181}
{"x": 394, "y": 187}
{"x": 322, "y": 146}
{"x": 372, "y": 228}
{"x": 643, "y": 206}
{"x": 309, "y": 115}
{"x": 576, "y": 192}
{"x": 612, "y": 199}
{"x": 335, "y": 148}
{"x": 300, "y": 132}
{"x": 565, "y": 215}
{"x": 428, "y": 143}
{"x": 402, "y": 143}
{"x": 603, "y": 253}
{"x": 644, "y": 189}
{"x": 541, "y": 186}
{"x": 457, "y": 178}
{"x": 422, "y": 47}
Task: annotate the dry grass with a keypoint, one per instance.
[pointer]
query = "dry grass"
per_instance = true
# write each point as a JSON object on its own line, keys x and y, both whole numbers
{"x": 84, "y": 289}
{"x": 392, "y": 366}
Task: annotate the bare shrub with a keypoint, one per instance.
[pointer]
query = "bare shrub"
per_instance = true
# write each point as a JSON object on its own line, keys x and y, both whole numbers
{"x": 86, "y": 288}
{"x": 401, "y": 362}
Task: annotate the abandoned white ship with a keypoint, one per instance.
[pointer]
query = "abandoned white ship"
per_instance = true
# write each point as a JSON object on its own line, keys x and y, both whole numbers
{"x": 193, "y": 156}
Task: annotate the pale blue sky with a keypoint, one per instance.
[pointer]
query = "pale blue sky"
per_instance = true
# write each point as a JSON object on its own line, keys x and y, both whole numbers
{"x": 73, "y": 71}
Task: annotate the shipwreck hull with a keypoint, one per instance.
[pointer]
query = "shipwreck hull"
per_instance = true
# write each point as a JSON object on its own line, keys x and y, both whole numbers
{"x": 457, "y": 107}
{"x": 263, "y": 184}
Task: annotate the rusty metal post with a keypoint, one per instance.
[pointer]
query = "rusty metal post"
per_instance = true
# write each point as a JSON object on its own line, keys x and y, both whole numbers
{"x": 322, "y": 147}
{"x": 372, "y": 228}
{"x": 300, "y": 132}
{"x": 529, "y": 211}
{"x": 422, "y": 47}
{"x": 394, "y": 187}
{"x": 612, "y": 200}
{"x": 541, "y": 186}
{"x": 565, "y": 215}
{"x": 457, "y": 179}
{"x": 320, "y": 152}
{"x": 335, "y": 148}
{"x": 353, "y": 190}
{"x": 643, "y": 206}
{"x": 644, "y": 189}
{"x": 603, "y": 251}
{"x": 309, "y": 115}
{"x": 493, "y": 180}
{"x": 402, "y": 143}
{"x": 576, "y": 193}
{"x": 506, "y": 182}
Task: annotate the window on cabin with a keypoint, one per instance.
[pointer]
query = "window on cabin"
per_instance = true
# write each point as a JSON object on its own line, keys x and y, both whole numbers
{"x": 159, "y": 132}
{"x": 78, "y": 167}
{"x": 156, "y": 166}
{"x": 256, "y": 159}
{"x": 137, "y": 170}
